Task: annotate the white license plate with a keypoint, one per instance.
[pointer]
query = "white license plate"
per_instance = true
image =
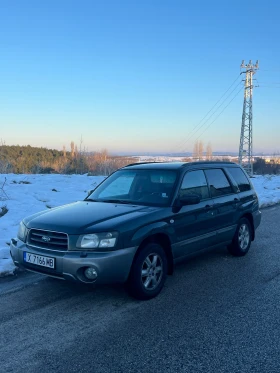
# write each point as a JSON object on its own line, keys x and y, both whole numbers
{"x": 39, "y": 260}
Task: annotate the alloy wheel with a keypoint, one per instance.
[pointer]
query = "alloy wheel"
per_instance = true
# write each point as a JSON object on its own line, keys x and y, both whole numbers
{"x": 152, "y": 271}
{"x": 243, "y": 236}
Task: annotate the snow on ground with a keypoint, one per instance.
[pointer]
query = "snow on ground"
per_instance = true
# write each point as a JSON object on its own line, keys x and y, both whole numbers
{"x": 267, "y": 188}
{"x": 24, "y": 195}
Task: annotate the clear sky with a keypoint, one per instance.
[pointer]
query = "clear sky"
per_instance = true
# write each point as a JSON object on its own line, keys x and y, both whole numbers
{"x": 135, "y": 75}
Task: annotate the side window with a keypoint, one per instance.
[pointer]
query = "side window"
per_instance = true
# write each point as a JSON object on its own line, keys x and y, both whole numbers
{"x": 194, "y": 182}
{"x": 218, "y": 182}
{"x": 240, "y": 178}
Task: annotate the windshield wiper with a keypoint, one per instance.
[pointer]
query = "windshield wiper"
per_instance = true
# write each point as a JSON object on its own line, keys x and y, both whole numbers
{"x": 123, "y": 201}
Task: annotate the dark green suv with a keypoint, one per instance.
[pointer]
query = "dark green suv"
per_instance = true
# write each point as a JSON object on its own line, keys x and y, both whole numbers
{"x": 139, "y": 222}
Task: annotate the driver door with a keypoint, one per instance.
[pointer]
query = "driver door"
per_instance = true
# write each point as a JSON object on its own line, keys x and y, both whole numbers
{"x": 194, "y": 224}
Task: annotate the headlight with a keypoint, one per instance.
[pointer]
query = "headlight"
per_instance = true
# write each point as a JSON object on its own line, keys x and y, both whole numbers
{"x": 97, "y": 240}
{"x": 22, "y": 232}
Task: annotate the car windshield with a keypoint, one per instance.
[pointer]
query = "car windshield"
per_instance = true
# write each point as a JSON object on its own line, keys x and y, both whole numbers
{"x": 141, "y": 187}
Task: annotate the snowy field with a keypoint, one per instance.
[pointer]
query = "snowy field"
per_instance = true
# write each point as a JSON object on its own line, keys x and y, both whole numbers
{"x": 24, "y": 195}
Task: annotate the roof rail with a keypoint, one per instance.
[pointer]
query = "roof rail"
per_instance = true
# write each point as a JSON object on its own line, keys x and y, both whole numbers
{"x": 207, "y": 162}
{"x": 182, "y": 163}
{"x": 134, "y": 164}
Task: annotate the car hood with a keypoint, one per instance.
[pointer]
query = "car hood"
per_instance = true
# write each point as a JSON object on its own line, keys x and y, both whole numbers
{"x": 76, "y": 218}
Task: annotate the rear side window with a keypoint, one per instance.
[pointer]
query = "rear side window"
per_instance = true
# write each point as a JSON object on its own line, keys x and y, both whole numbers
{"x": 218, "y": 182}
{"x": 240, "y": 178}
{"x": 194, "y": 183}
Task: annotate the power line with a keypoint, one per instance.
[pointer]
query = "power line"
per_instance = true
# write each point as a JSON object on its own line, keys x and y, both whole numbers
{"x": 268, "y": 82}
{"x": 219, "y": 114}
{"x": 181, "y": 143}
{"x": 270, "y": 86}
{"x": 203, "y": 124}
{"x": 272, "y": 70}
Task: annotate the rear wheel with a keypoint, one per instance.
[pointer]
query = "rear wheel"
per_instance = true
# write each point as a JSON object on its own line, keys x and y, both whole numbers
{"x": 242, "y": 239}
{"x": 148, "y": 272}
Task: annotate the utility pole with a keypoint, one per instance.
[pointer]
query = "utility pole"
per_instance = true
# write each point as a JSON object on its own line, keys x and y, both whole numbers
{"x": 246, "y": 143}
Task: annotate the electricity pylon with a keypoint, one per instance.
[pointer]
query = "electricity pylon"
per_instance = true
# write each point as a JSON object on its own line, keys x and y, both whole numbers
{"x": 246, "y": 143}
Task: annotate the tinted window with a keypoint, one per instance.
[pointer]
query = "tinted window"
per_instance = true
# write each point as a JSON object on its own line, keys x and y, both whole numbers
{"x": 194, "y": 182}
{"x": 119, "y": 186}
{"x": 219, "y": 184}
{"x": 240, "y": 178}
{"x": 143, "y": 187}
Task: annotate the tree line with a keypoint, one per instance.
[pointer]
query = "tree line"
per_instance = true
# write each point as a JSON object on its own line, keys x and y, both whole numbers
{"x": 271, "y": 168}
{"x": 28, "y": 159}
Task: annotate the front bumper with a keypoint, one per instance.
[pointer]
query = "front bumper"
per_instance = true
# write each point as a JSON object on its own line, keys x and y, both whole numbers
{"x": 257, "y": 216}
{"x": 111, "y": 266}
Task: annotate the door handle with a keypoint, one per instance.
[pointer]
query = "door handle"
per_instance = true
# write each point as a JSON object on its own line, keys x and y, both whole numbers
{"x": 235, "y": 202}
{"x": 209, "y": 209}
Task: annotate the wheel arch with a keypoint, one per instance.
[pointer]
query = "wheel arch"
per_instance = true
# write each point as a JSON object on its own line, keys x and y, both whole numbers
{"x": 164, "y": 241}
{"x": 249, "y": 217}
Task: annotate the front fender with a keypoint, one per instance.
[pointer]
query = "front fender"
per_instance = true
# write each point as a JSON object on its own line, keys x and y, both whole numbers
{"x": 152, "y": 229}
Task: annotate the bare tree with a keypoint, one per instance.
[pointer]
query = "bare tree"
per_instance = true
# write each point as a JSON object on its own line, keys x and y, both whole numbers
{"x": 276, "y": 157}
{"x": 196, "y": 150}
{"x": 104, "y": 155}
{"x": 72, "y": 149}
{"x": 209, "y": 153}
{"x": 3, "y": 195}
{"x": 5, "y": 167}
{"x": 200, "y": 150}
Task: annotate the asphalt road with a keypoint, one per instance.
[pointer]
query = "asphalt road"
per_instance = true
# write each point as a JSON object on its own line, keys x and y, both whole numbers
{"x": 216, "y": 314}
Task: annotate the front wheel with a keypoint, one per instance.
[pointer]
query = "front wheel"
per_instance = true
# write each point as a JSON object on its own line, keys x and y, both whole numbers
{"x": 148, "y": 272}
{"x": 242, "y": 239}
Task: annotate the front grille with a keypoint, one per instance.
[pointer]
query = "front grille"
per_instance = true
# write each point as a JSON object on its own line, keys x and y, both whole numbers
{"x": 48, "y": 240}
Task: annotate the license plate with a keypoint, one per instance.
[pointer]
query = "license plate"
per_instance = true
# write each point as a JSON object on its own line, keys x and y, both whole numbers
{"x": 39, "y": 260}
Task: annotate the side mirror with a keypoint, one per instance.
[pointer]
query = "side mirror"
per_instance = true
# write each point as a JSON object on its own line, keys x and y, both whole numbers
{"x": 89, "y": 192}
{"x": 189, "y": 199}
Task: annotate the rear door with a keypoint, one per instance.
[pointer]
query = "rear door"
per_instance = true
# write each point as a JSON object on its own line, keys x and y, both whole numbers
{"x": 226, "y": 203}
{"x": 194, "y": 224}
{"x": 245, "y": 189}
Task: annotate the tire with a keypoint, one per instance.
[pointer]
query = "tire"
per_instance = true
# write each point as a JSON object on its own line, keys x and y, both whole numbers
{"x": 242, "y": 239}
{"x": 148, "y": 272}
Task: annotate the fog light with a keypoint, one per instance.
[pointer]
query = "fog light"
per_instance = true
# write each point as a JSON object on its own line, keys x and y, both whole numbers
{"x": 90, "y": 273}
